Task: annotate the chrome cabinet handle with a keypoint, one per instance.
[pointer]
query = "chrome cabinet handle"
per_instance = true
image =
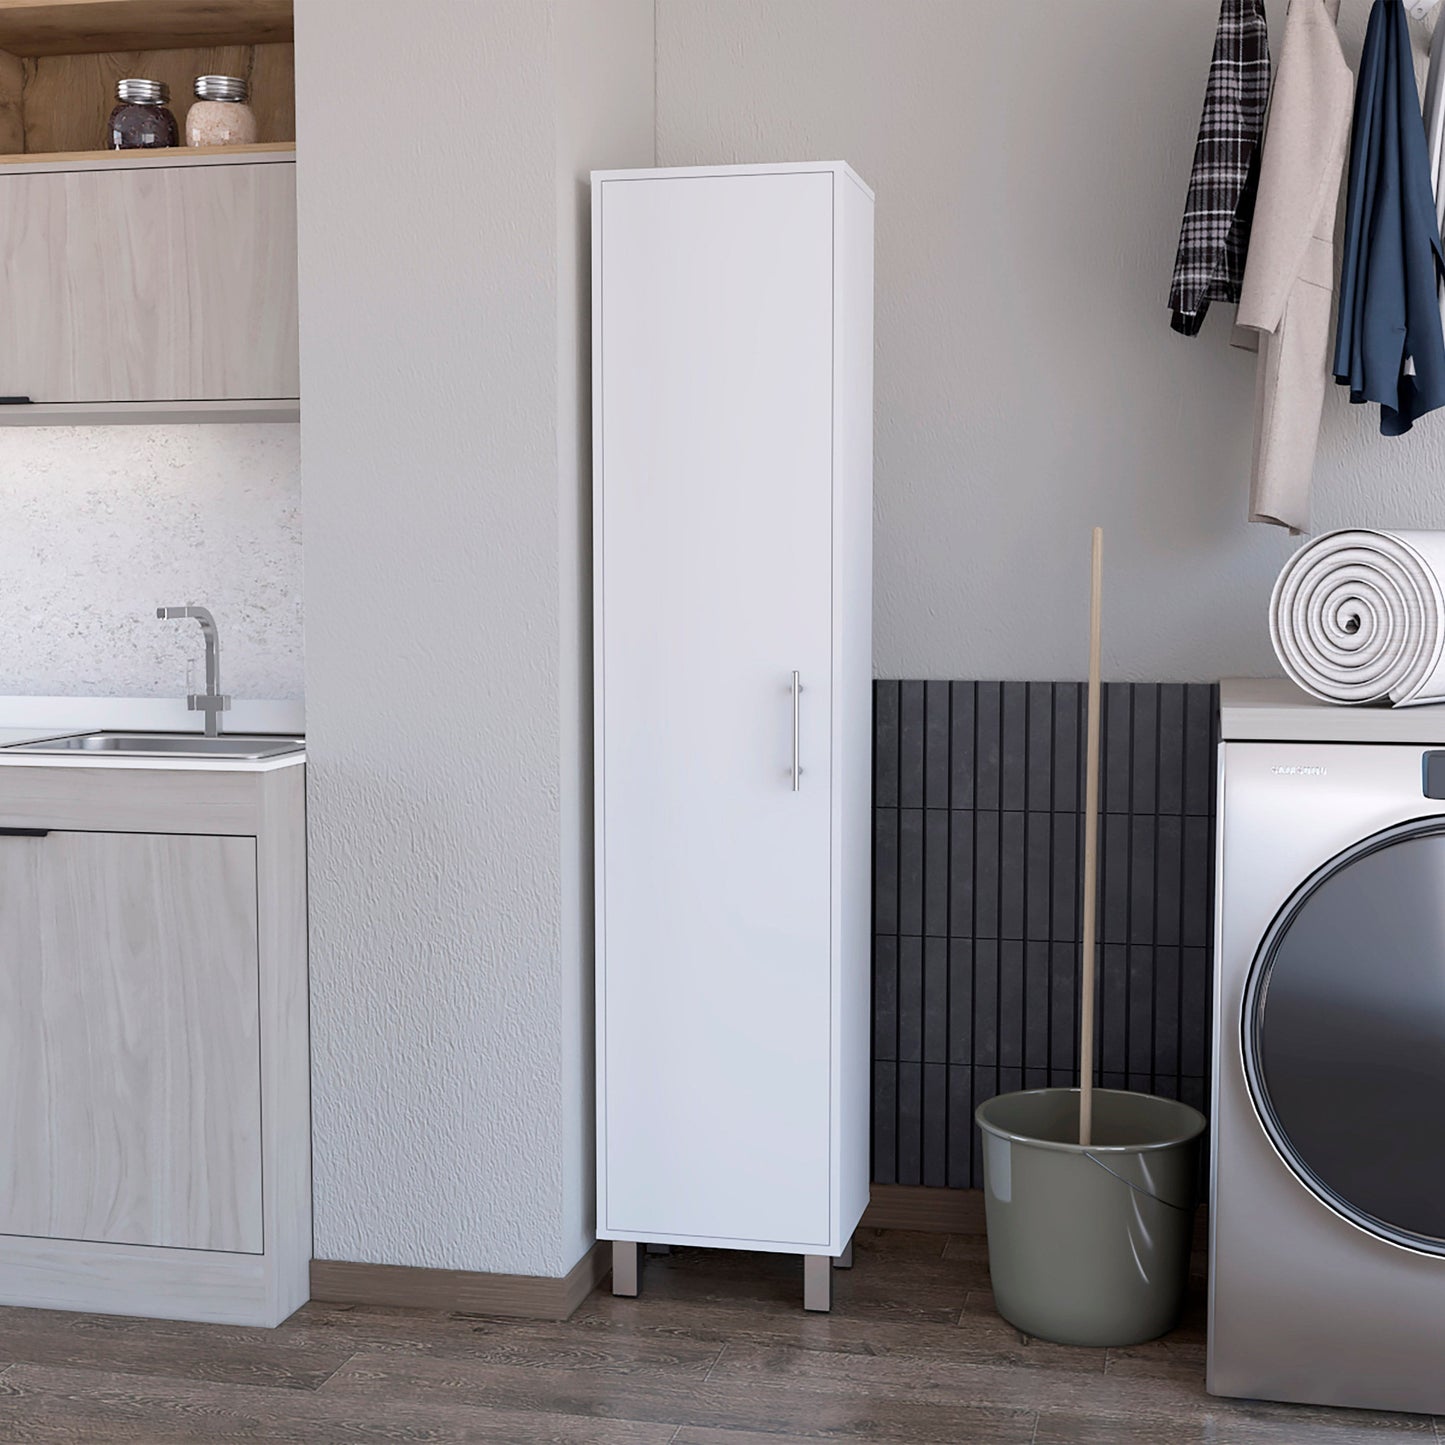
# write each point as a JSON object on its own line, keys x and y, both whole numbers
{"x": 797, "y": 693}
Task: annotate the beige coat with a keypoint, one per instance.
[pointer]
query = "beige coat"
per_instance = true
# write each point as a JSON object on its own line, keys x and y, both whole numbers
{"x": 1289, "y": 279}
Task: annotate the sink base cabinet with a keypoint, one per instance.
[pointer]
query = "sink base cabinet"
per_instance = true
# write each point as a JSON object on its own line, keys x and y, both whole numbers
{"x": 154, "y": 1099}
{"x": 129, "y": 1057}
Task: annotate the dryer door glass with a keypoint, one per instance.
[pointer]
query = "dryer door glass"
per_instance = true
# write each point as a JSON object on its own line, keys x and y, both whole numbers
{"x": 1344, "y": 1034}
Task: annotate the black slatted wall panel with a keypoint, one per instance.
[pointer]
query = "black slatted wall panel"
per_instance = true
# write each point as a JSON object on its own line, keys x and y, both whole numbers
{"x": 978, "y": 819}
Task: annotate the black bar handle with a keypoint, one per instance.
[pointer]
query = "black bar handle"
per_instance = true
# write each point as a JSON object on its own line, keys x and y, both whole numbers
{"x": 16, "y": 401}
{"x": 24, "y": 832}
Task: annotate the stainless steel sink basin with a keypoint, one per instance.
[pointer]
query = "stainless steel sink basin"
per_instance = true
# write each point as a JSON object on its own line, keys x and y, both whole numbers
{"x": 163, "y": 745}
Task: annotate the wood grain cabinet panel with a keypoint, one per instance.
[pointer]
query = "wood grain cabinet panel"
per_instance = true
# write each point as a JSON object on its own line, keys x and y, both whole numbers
{"x": 130, "y": 1088}
{"x": 149, "y": 284}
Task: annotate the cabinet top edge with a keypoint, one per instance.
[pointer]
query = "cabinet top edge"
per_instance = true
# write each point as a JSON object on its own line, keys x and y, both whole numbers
{"x": 164, "y": 765}
{"x": 170, "y": 158}
{"x": 780, "y": 168}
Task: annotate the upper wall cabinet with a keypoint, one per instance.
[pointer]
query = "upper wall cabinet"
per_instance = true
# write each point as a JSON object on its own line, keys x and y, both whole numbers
{"x": 144, "y": 285}
{"x": 164, "y": 286}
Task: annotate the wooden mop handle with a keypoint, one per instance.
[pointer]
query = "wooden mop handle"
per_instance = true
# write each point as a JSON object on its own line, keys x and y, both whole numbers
{"x": 1091, "y": 853}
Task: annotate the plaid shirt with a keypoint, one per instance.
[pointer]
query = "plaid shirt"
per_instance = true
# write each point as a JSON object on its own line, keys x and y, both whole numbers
{"x": 1214, "y": 238}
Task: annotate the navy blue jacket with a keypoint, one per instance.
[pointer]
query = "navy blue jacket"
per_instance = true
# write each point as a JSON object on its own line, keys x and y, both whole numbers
{"x": 1388, "y": 302}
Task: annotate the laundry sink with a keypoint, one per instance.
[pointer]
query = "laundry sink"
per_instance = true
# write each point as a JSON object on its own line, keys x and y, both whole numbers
{"x": 163, "y": 745}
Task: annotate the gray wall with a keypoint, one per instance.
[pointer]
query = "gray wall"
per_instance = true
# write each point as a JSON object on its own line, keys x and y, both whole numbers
{"x": 439, "y": 337}
{"x": 603, "y": 70}
{"x": 1030, "y": 162}
{"x": 100, "y": 525}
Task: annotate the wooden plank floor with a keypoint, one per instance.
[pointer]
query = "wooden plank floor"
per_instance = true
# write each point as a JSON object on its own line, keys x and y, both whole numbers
{"x": 716, "y": 1352}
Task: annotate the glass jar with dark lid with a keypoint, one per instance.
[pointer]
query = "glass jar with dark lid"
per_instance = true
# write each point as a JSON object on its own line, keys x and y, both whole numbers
{"x": 142, "y": 120}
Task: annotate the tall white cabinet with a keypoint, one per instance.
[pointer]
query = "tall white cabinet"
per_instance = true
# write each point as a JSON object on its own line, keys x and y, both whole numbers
{"x": 733, "y": 457}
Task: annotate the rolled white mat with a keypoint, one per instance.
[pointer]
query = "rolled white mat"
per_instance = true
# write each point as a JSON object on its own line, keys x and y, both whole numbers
{"x": 1359, "y": 617}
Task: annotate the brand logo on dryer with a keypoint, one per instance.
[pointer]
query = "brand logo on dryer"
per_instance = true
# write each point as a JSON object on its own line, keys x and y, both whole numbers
{"x": 1298, "y": 770}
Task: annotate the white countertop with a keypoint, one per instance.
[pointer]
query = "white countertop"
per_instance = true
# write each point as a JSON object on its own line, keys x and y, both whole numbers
{"x": 109, "y": 761}
{"x": 1275, "y": 710}
{"x": 28, "y": 719}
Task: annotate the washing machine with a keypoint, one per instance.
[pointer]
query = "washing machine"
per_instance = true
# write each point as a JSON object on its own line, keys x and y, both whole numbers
{"x": 1327, "y": 1188}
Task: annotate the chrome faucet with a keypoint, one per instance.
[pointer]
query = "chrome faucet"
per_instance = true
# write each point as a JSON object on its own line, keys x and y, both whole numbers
{"x": 212, "y": 702}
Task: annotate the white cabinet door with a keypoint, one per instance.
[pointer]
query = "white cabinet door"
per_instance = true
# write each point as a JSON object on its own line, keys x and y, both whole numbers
{"x": 160, "y": 284}
{"x": 713, "y": 529}
{"x": 130, "y": 1091}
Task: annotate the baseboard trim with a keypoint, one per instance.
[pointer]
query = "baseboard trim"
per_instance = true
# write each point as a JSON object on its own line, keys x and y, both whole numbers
{"x": 532, "y": 1297}
{"x": 586, "y": 1275}
{"x": 911, "y": 1206}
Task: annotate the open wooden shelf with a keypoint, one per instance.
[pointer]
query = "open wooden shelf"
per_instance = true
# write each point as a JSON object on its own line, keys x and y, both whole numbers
{"x": 167, "y": 155}
{"x": 59, "y": 63}
{"x": 81, "y": 27}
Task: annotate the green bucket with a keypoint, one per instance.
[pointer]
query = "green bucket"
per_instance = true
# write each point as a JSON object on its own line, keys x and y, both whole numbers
{"x": 1089, "y": 1246}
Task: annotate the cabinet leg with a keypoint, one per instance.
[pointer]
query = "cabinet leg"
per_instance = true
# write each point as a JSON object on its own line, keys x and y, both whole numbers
{"x": 845, "y": 1260}
{"x": 817, "y": 1282}
{"x": 626, "y": 1267}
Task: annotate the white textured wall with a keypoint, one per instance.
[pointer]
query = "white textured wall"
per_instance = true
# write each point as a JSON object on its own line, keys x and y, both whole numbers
{"x": 603, "y": 75}
{"x": 443, "y": 616}
{"x": 1030, "y": 162}
{"x": 101, "y": 525}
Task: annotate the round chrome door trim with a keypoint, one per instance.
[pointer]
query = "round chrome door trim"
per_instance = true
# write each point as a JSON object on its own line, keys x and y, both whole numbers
{"x": 1251, "y": 1023}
